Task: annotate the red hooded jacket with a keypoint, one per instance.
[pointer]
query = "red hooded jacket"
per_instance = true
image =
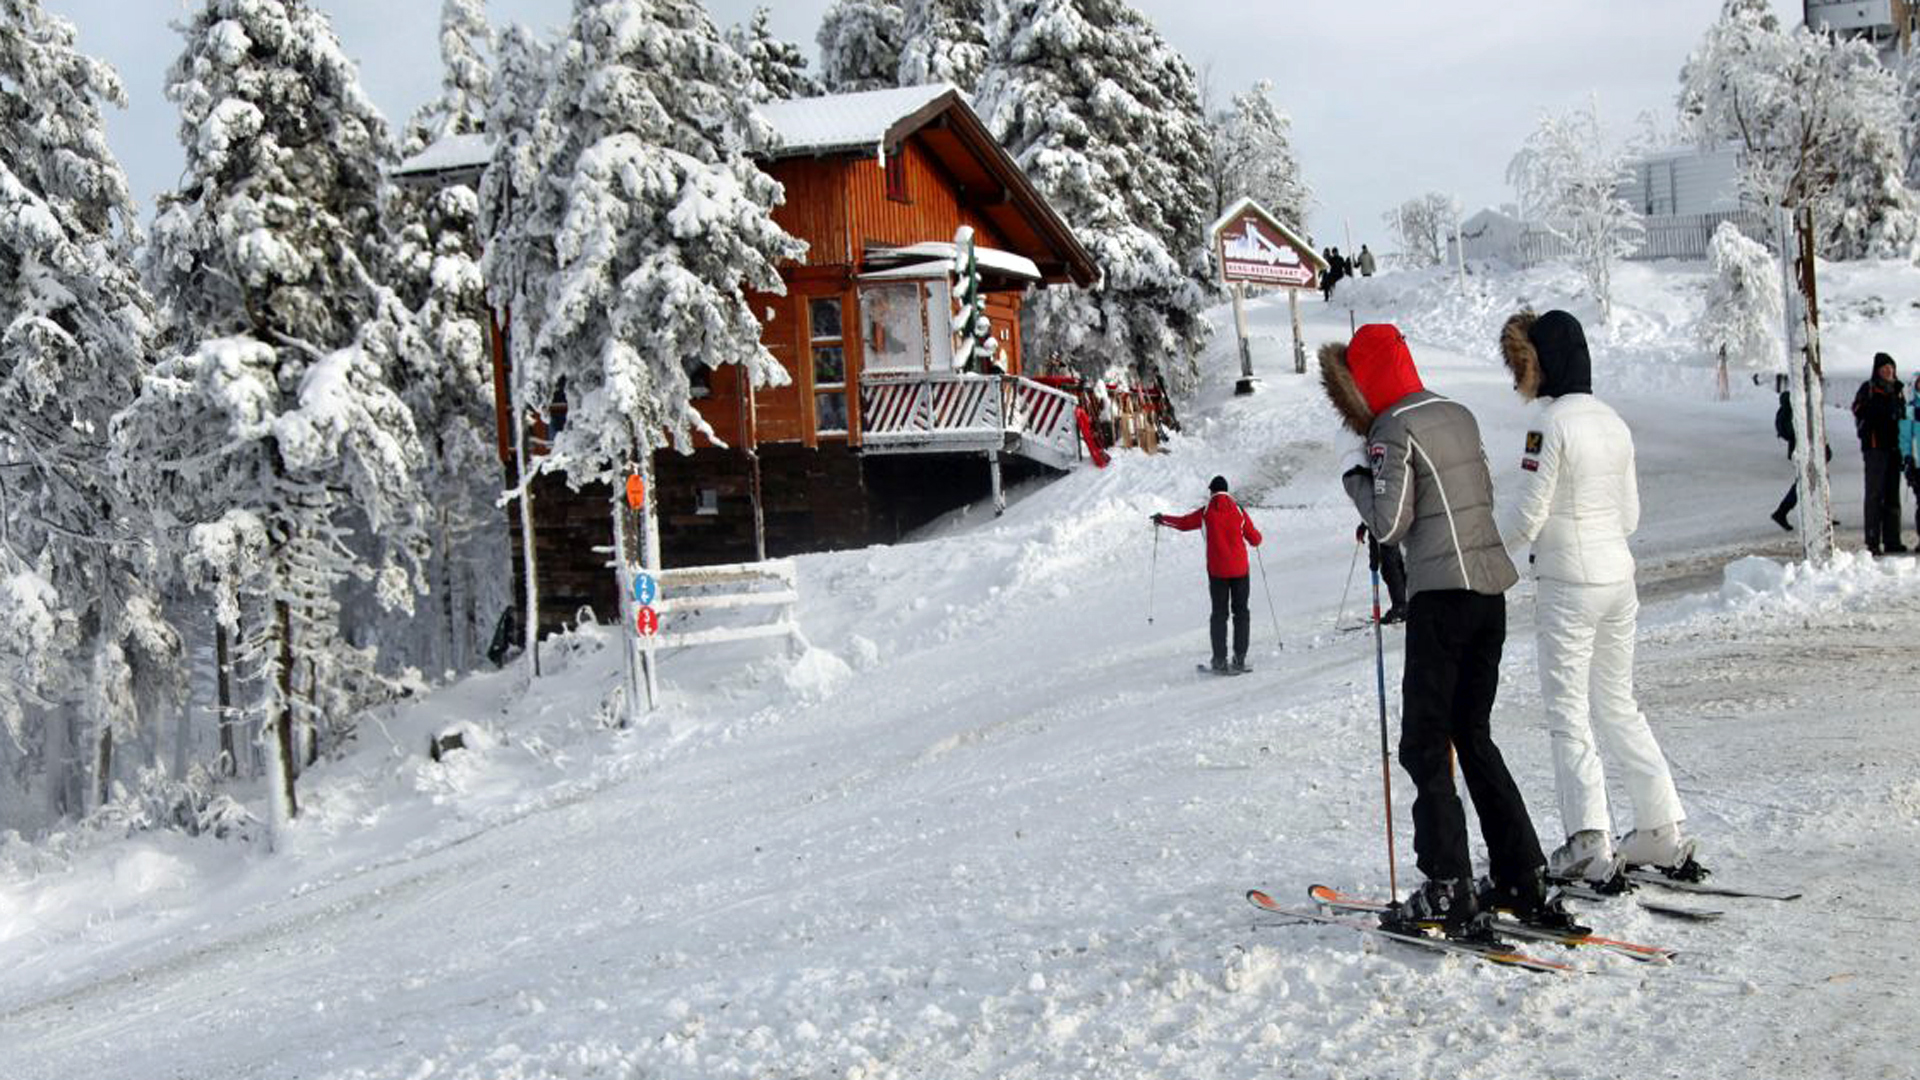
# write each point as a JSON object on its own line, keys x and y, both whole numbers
{"x": 1229, "y": 530}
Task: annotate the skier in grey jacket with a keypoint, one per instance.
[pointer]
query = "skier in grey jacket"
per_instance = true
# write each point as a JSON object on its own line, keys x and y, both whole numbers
{"x": 1423, "y": 484}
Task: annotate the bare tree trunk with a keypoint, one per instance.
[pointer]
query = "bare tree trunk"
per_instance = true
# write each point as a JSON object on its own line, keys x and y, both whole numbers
{"x": 103, "y": 765}
{"x": 1808, "y": 392}
{"x": 451, "y": 643}
{"x": 283, "y": 721}
{"x": 223, "y": 689}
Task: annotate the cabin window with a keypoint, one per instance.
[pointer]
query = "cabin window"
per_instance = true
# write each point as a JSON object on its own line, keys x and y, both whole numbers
{"x": 829, "y": 365}
{"x": 897, "y": 176}
{"x": 707, "y": 503}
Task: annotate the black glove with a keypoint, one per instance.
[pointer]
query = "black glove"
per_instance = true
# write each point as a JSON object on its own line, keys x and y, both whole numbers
{"x": 1360, "y": 533}
{"x": 1157, "y": 519}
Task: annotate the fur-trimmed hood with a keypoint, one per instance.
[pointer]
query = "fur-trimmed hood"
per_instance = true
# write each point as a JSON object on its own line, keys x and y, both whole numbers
{"x": 1369, "y": 374}
{"x": 1547, "y": 354}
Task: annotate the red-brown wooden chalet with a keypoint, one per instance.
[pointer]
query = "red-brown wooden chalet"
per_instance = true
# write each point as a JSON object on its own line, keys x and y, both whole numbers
{"x": 876, "y": 431}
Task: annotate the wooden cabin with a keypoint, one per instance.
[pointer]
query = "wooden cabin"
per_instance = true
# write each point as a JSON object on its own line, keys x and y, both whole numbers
{"x": 877, "y": 431}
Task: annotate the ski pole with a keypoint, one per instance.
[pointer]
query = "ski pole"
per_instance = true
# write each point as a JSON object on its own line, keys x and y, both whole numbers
{"x": 1261, "y": 560}
{"x": 1153, "y": 568}
{"x": 1341, "y": 616}
{"x": 1380, "y": 681}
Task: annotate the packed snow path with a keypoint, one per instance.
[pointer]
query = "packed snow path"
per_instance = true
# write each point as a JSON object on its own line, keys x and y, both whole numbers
{"x": 995, "y": 826}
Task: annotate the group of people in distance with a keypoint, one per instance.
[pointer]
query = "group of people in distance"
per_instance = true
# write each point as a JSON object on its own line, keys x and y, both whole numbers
{"x": 1420, "y": 481}
{"x": 1339, "y": 267}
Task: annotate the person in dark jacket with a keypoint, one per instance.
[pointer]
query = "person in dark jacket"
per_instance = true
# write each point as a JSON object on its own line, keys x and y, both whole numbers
{"x": 1877, "y": 406}
{"x": 1422, "y": 482}
{"x": 1783, "y": 427}
{"x": 1228, "y": 531}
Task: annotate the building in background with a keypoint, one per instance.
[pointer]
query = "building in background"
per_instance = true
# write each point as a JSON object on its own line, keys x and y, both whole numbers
{"x": 1890, "y": 24}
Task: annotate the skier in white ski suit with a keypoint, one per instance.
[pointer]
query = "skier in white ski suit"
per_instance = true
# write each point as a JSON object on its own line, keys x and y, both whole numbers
{"x": 1579, "y": 502}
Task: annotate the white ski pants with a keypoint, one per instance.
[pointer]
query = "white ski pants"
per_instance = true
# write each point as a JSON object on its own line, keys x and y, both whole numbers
{"x": 1585, "y": 636}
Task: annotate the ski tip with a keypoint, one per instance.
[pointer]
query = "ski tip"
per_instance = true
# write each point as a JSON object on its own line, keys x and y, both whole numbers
{"x": 1260, "y": 899}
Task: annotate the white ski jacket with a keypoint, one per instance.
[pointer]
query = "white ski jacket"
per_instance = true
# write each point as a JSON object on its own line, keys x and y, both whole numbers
{"x": 1579, "y": 498}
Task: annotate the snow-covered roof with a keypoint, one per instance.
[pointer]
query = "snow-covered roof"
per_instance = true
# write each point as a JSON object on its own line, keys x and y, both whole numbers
{"x": 1285, "y": 229}
{"x": 930, "y": 259}
{"x": 451, "y": 153}
{"x": 846, "y": 121}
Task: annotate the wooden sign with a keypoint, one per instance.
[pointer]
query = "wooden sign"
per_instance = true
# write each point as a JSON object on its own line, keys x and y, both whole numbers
{"x": 1255, "y": 248}
{"x": 636, "y": 491}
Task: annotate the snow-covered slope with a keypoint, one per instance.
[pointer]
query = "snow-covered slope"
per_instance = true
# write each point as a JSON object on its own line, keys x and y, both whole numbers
{"x": 993, "y": 825}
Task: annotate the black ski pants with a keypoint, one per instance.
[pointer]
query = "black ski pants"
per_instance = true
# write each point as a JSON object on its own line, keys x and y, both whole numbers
{"x": 1454, "y": 640}
{"x": 1882, "y": 498}
{"x": 1229, "y": 596}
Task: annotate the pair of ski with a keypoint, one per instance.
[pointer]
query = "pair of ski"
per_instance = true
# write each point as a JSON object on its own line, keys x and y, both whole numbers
{"x": 1688, "y": 877}
{"x": 1335, "y": 908}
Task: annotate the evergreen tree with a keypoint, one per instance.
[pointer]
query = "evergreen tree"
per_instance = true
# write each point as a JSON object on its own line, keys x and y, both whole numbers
{"x": 86, "y": 655}
{"x": 466, "y": 83}
{"x": 779, "y": 68}
{"x": 1253, "y": 156}
{"x": 1105, "y": 117}
{"x": 1742, "y": 322}
{"x": 446, "y": 377}
{"x": 943, "y": 41}
{"x": 276, "y": 420}
{"x": 860, "y": 44}
{"x": 517, "y": 265}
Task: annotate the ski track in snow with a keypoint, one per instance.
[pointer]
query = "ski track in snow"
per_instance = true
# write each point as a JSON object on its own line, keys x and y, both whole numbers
{"x": 996, "y": 826}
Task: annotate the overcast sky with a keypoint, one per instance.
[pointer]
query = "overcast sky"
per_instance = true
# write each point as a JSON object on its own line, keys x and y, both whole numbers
{"x": 1389, "y": 98}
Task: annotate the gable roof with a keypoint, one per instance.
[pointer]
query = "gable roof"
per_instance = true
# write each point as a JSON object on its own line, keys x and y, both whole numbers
{"x": 985, "y": 177}
{"x": 1292, "y": 235}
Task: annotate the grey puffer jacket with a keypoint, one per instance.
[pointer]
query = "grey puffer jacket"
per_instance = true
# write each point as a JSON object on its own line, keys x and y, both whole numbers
{"x": 1430, "y": 492}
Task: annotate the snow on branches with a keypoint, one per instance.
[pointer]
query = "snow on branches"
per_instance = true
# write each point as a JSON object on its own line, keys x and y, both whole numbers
{"x": 1742, "y": 322}
{"x": 860, "y": 42}
{"x": 1120, "y": 148}
{"x": 1818, "y": 121}
{"x": 1567, "y": 175}
{"x": 659, "y": 224}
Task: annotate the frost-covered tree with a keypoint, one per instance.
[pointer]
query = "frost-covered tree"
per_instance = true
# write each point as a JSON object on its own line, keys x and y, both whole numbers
{"x": 660, "y": 224}
{"x": 517, "y": 266}
{"x": 1742, "y": 322}
{"x": 944, "y": 41}
{"x": 779, "y": 68}
{"x": 1423, "y": 226}
{"x": 860, "y": 43}
{"x": 445, "y": 373}
{"x": 1567, "y": 176}
{"x": 1817, "y": 119}
{"x": 275, "y": 423}
{"x": 1105, "y": 116}
{"x": 1253, "y": 156}
{"x": 466, "y": 81}
{"x": 85, "y": 654}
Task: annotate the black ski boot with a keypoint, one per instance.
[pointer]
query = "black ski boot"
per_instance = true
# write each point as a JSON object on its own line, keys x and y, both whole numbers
{"x": 1530, "y": 901}
{"x": 1446, "y": 905}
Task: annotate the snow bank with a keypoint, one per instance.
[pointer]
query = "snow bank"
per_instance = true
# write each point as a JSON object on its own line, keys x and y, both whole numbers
{"x": 1852, "y": 581}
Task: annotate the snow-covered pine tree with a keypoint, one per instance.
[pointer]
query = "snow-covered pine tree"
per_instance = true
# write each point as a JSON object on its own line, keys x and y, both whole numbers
{"x": 1422, "y": 226}
{"x": 1817, "y": 120}
{"x": 448, "y": 380}
{"x": 660, "y": 224}
{"x": 779, "y": 67}
{"x": 466, "y": 81}
{"x": 1105, "y": 116}
{"x": 277, "y": 413}
{"x": 944, "y": 41}
{"x": 860, "y": 44}
{"x": 517, "y": 266}
{"x": 1567, "y": 175}
{"x": 1253, "y": 156}
{"x": 86, "y": 656}
{"x": 1742, "y": 321}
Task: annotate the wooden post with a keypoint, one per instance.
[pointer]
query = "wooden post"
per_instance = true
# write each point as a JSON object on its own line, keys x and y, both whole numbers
{"x": 993, "y": 476}
{"x": 625, "y": 557}
{"x": 1245, "y": 385}
{"x": 650, "y": 562}
{"x": 1299, "y": 341}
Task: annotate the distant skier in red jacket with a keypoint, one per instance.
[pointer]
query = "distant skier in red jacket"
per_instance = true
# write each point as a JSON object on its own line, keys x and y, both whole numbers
{"x": 1228, "y": 531}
